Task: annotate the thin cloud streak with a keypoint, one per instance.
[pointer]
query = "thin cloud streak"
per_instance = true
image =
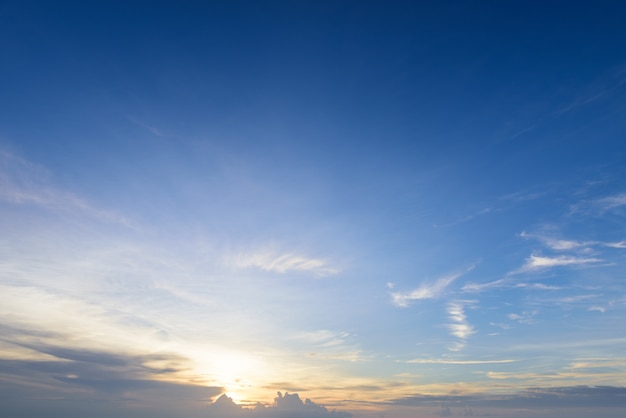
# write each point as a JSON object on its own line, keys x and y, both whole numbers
{"x": 459, "y": 362}
{"x": 283, "y": 263}
{"x": 24, "y": 183}
{"x": 427, "y": 290}
{"x": 537, "y": 262}
{"x": 570, "y": 245}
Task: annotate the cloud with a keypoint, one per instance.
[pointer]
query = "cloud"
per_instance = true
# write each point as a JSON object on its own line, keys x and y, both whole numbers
{"x": 24, "y": 183}
{"x": 620, "y": 244}
{"x": 570, "y": 245}
{"x": 427, "y": 290}
{"x": 523, "y": 196}
{"x": 529, "y": 398}
{"x": 538, "y": 286}
{"x": 459, "y": 362}
{"x": 100, "y": 375}
{"x": 561, "y": 244}
{"x": 577, "y": 298}
{"x": 284, "y": 406}
{"x": 467, "y": 218}
{"x": 537, "y": 262}
{"x": 328, "y": 345}
{"x": 459, "y": 326}
{"x": 274, "y": 261}
{"x": 480, "y": 287}
{"x": 149, "y": 128}
{"x": 526, "y": 317}
{"x": 505, "y": 283}
{"x": 599, "y": 206}
{"x": 612, "y": 202}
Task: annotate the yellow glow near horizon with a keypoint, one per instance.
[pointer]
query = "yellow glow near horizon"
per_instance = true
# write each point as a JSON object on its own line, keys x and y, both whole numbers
{"x": 235, "y": 371}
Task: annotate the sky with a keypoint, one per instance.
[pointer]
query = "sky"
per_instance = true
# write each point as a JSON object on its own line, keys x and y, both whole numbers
{"x": 312, "y": 209}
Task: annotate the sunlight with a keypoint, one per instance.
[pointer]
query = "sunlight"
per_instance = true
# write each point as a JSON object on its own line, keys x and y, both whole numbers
{"x": 235, "y": 371}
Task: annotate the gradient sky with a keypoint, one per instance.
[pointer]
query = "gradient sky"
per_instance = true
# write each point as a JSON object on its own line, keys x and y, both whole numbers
{"x": 408, "y": 209}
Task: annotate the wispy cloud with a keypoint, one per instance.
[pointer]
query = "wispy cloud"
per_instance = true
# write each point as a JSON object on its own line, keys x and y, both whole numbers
{"x": 602, "y": 88}
{"x": 526, "y": 317}
{"x": 459, "y": 325}
{"x": 283, "y": 263}
{"x": 480, "y": 287}
{"x": 505, "y": 283}
{"x": 149, "y": 128}
{"x": 25, "y": 183}
{"x": 556, "y": 244}
{"x": 547, "y": 396}
{"x": 467, "y": 218}
{"x": 523, "y": 196}
{"x": 611, "y": 202}
{"x": 430, "y": 290}
{"x": 577, "y": 298}
{"x": 459, "y": 362}
{"x": 620, "y": 244}
{"x": 538, "y": 286}
{"x": 329, "y": 345}
{"x": 537, "y": 262}
{"x": 599, "y": 206}
{"x": 569, "y": 245}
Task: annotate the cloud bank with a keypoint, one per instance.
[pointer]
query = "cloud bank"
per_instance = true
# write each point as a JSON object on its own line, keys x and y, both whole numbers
{"x": 284, "y": 406}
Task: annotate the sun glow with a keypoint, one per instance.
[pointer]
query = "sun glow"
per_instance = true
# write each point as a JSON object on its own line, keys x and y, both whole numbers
{"x": 235, "y": 371}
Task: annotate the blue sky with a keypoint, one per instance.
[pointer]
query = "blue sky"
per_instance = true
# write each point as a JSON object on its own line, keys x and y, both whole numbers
{"x": 398, "y": 209}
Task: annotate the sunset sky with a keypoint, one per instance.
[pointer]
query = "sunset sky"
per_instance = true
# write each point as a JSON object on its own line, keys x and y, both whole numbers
{"x": 398, "y": 209}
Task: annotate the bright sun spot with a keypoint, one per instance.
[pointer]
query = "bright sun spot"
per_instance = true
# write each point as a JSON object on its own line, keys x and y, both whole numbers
{"x": 235, "y": 371}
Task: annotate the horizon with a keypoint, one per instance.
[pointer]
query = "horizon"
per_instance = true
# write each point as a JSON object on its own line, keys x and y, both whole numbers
{"x": 312, "y": 209}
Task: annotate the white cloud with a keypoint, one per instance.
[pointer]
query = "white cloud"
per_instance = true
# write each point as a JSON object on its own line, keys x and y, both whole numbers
{"x": 538, "y": 286}
{"x": 526, "y": 317}
{"x": 286, "y": 262}
{"x": 459, "y": 326}
{"x": 329, "y": 345}
{"x": 573, "y": 299}
{"x": 570, "y": 245}
{"x": 427, "y": 290}
{"x": 598, "y": 207}
{"x": 612, "y": 202}
{"x": 537, "y": 262}
{"x": 557, "y": 244}
{"x": 479, "y": 287}
{"x": 597, "y": 308}
{"x": 322, "y": 337}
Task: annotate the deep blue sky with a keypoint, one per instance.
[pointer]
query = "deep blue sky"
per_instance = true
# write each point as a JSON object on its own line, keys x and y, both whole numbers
{"x": 399, "y": 208}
